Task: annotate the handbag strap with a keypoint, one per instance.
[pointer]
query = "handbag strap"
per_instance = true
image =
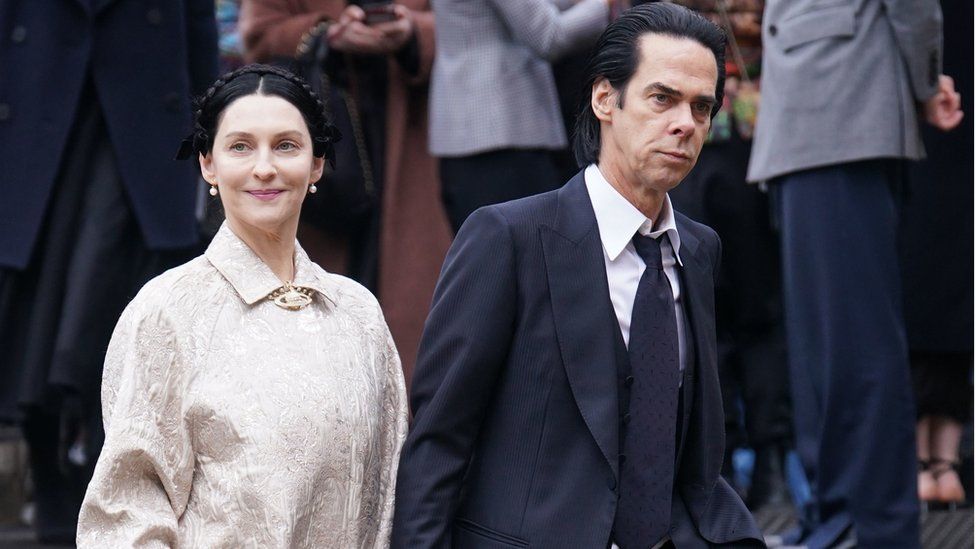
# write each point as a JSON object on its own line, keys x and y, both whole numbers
{"x": 352, "y": 108}
{"x": 313, "y": 49}
{"x": 737, "y": 58}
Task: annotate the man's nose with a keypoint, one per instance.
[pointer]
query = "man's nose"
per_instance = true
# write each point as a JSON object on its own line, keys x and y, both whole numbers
{"x": 683, "y": 123}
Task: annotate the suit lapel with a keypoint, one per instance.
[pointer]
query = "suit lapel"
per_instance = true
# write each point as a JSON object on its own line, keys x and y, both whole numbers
{"x": 697, "y": 289}
{"x": 582, "y": 313}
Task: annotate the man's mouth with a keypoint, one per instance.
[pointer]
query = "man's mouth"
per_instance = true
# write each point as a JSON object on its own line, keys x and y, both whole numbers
{"x": 677, "y": 155}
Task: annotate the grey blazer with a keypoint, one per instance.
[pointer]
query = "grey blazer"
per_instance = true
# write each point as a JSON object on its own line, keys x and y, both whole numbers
{"x": 842, "y": 80}
{"x": 492, "y": 85}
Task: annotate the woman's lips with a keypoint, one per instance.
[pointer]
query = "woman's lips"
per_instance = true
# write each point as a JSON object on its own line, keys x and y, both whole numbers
{"x": 265, "y": 195}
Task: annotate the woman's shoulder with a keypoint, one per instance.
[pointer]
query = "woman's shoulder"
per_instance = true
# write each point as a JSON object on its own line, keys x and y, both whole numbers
{"x": 173, "y": 290}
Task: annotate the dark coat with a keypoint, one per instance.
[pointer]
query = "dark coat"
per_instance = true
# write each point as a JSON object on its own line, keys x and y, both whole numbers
{"x": 515, "y": 438}
{"x": 145, "y": 58}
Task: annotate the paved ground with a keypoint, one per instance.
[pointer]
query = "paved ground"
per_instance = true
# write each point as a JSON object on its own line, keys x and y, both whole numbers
{"x": 940, "y": 530}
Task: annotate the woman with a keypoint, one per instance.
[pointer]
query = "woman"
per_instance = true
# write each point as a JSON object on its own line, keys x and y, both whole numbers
{"x": 250, "y": 398}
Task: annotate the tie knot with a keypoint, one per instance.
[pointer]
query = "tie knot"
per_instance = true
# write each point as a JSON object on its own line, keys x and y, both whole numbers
{"x": 649, "y": 249}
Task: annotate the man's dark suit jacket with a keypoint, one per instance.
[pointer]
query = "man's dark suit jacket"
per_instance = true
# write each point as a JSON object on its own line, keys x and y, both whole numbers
{"x": 515, "y": 436}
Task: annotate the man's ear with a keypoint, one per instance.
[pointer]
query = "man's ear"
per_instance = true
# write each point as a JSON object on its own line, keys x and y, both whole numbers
{"x": 603, "y": 97}
{"x": 206, "y": 169}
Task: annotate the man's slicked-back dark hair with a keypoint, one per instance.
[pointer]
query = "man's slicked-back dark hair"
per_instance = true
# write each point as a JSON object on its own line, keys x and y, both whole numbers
{"x": 616, "y": 56}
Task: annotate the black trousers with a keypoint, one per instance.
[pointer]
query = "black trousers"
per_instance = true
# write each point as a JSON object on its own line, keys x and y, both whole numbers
{"x": 853, "y": 406}
{"x": 470, "y": 182}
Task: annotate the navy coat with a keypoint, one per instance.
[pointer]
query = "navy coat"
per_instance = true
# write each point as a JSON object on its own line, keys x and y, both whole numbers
{"x": 515, "y": 438}
{"x": 145, "y": 59}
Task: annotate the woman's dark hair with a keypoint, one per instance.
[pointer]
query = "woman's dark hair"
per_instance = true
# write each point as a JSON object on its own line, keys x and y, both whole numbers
{"x": 616, "y": 56}
{"x": 263, "y": 80}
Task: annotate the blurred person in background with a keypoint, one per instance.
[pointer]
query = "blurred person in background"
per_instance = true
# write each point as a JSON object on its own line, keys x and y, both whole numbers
{"x": 495, "y": 119}
{"x": 748, "y": 303}
{"x": 845, "y": 86}
{"x": 385, "y": 66}
{"x": 231, "y": 46}
{"x": 93, "y": 94}
{"x": 937, "y": 264}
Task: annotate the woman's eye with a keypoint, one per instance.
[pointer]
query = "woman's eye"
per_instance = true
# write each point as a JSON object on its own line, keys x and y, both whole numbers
{"x": 238, "y": 147}
{"x": 287, "y": 146}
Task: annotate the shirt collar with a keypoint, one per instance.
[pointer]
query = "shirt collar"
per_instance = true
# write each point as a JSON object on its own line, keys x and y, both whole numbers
{"x": 619, "y": 220}
{"x": 251, "y": 278}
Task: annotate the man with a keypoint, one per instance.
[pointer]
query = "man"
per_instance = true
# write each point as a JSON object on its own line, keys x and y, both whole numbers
{"x": 842, "y": 85}
{"x": 566, "y": 392}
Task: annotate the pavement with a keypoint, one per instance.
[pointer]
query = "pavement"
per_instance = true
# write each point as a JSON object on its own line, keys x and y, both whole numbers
{"x": 940, "y": 529}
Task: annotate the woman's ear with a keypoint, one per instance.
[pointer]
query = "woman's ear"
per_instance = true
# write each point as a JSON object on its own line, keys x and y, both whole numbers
{"x": 206, "y": 168}
{"x": 318, "y": 166}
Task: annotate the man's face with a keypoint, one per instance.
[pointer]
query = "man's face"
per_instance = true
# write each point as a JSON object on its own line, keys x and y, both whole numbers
{"x": 653, "y": 141}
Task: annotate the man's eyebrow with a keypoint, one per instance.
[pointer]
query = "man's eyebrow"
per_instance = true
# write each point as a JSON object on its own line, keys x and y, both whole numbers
{"x": 657, "y": 86}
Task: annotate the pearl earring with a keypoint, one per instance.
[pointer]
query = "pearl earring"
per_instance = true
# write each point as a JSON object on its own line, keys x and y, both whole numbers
{"x": 213, "y": 190}
{"x": 312, "y": 189}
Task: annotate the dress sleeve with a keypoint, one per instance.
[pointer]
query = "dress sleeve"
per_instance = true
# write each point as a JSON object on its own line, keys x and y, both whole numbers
{"x": 142, "y": 478}
{"x": 393, "y": 431}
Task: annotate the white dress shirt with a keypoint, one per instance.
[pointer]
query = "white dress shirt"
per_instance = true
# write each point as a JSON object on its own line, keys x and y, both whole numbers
{"x": 618, "y": 221}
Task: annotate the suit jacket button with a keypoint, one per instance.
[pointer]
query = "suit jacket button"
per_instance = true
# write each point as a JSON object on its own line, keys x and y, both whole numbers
{"x": 625, "y": 419}
{"x": 628, "y": 381}
{"x": 773, "y": 30}
{"x": 4, "y": 111}
{"x": 154, "y": 16}
{"x": 612, "y": 483}
{"x": 18, "y": 34}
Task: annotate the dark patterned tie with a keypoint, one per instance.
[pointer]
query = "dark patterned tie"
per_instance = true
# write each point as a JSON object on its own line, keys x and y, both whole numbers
{"x": 648, "y": 429}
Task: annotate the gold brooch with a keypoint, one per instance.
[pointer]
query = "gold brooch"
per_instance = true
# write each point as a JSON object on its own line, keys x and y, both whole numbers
{"x": 291, "y": 297}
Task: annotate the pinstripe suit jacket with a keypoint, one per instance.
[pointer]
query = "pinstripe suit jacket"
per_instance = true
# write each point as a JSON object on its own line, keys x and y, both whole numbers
{"x": 515, "y": 439}
{"x": 492, "y": 85}
{"x": 842, "y": 80}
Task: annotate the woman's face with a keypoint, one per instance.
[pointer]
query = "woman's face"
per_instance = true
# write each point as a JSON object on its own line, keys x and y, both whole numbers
{"x": 262, "y": 163}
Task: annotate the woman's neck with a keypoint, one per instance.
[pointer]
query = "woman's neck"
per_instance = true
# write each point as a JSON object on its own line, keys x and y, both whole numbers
{"x": 276, "y": 249}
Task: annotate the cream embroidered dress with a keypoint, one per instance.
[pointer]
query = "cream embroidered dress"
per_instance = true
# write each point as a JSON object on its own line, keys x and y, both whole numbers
{"x": 233, "y": 422}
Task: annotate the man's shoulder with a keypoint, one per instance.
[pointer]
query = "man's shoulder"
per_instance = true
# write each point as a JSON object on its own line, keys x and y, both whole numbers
{"x": 522, "y": 214}
{"x": 700, "y": 230}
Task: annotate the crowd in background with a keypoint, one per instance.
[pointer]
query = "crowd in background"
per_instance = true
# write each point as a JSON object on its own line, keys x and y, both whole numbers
{"x": 469, "y": 104}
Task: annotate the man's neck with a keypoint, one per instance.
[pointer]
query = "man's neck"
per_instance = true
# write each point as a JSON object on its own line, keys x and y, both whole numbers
{"x": 648, "y": 201}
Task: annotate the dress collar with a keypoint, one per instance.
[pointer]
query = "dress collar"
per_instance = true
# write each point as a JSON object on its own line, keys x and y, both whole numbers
{"x": 251, "y": 278}
{"x": 619, "y": 220}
